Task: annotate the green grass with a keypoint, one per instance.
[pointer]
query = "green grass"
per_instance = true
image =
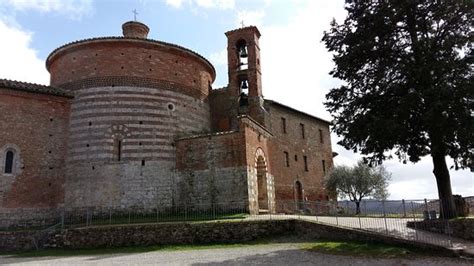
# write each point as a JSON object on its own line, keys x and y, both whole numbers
{"x": 125, "y": 250}
{"x": 353, "y": 248}
{"x": 323, "y": 246}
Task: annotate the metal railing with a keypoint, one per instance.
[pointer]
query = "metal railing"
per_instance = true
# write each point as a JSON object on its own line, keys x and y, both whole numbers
{"x": 416, "y": 220}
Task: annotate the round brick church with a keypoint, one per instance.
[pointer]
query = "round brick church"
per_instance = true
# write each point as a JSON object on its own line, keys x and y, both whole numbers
{"x": 130, "y": 122}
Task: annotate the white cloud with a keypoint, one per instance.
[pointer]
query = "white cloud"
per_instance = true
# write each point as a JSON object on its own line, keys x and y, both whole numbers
{"x": 174, "y": 3}
{"x": 250, "y": 17}
{"x": 19, "y": 60}
{"x": 219, "y": 4}
{"x": 74, "y": 9}
{"x": 295, "y": 66}
{"x": 294, "y": 53}
{"x": 219, "y": 58}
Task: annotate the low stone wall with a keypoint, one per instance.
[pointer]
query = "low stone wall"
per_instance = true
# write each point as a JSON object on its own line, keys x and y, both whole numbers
{"x": 460, "y": 228}
{"x": 312, "y": 230}
{"x": 15, "y": 241}
{"x": 172, "y": 233}
{"x": 147, "y": 234}
{"x": 28, "y": 217}
{"x": 191, "y": 233}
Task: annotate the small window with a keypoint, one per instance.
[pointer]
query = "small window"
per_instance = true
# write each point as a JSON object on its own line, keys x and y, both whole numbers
{"x": 287, "y": 159}
{"x": 302, "y": 130}
{"x": 305, "y": 160}
{"x": 9, "y": 157}
{"x": 283, "y": 125}
{"x": 321, "y": 136}
{"x": 323, "y": 163}
{"x": 296, "y": 158}
{"x": 118, "y": 150}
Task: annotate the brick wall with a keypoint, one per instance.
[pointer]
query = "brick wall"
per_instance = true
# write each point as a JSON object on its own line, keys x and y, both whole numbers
{"x": 129, "y": 58}
{"x": 35, "y": 126}
{"x": 221, "y": 104}
{"x": 297, "y": 147}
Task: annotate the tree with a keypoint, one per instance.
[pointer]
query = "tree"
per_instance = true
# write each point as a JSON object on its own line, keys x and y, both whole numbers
{"x": 408, "y": 84}
{"x": 358, "y": 182}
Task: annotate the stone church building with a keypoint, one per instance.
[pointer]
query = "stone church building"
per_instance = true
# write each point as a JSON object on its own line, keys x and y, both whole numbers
{"x": 130, "y": 122}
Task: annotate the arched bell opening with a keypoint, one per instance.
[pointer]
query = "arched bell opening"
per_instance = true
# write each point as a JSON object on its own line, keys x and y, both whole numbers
{"x": 242, "y": 54}
{"x": 243, "y": 92}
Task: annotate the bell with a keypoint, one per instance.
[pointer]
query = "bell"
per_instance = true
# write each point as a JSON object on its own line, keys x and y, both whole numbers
{"x": 244, "y": 85}
{"x": 243, "y": 52}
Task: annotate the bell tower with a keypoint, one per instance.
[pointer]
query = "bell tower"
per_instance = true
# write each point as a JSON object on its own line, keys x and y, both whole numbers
{"x": 245, "y": 77}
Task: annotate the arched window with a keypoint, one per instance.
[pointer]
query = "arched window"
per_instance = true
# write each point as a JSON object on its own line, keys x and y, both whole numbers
{"x": 242, "y": 54}
{"x": 118, "y": 149}
{"x": 9, "y": 158}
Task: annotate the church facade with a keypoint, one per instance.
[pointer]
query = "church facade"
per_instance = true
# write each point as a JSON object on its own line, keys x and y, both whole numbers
{"x": 130, "y": 122}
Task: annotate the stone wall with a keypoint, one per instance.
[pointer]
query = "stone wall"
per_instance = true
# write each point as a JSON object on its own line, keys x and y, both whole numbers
{"x": 17, "y": 241}
{"x": 212, "y": 169}
{"x": 222, "y": 167}
{"x": 192, "y": 233}
{"x": 11, "y": 218}
{"x": 147, "y": 234}
{"x": 460, "y": 228}
{"x": 140, "y": 170}
{"x": 312, "y": 230}
{"x": 35, "y": 127}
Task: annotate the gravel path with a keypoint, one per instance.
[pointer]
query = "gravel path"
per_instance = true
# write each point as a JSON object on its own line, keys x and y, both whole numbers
{"x": 270, "y": 254}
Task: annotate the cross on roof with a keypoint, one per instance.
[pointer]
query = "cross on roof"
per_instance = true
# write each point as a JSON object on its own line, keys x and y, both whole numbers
{"x": 242, "y": 23}
{"x": 135, "y": 13}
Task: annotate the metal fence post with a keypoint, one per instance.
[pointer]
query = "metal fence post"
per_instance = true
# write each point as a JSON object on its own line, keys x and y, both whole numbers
{"x": 110, "y": 216}
{"x": 62, "y": 219}
{"x": 129, "y": 216}
{"x": 426, "y": 205}
{"x": 317, "y": 210}
{"x": 384, "y": 216}
{"x": 87, "y": 217}
{"x": 404, "y": 209}
{"x": 360, "y": 224}
{"x": 447, "y": 227}
{"x": 213, "y": 211}
{"x": 157, "y": 215}
{"x": 185, "y": 212}
{"x": 414, "y": 220}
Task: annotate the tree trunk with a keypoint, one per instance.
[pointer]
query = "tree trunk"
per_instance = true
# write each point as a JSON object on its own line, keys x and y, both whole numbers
{"x": 441, "y": 172}
{"x": 357, "y": 207}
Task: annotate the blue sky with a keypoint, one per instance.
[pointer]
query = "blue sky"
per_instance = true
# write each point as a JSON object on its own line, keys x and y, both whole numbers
{"x": 295, "y": 64}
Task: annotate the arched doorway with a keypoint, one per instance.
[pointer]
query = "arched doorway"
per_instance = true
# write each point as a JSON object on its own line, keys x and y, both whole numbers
{"x": 299, "y": 195}
{"x": 262, "y": 190}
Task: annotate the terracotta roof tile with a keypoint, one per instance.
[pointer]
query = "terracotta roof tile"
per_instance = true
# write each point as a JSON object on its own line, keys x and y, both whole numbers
{"x": 111, "y": 38}
{"x": 33, "y": 87}
{"x": 295, "y": 110}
